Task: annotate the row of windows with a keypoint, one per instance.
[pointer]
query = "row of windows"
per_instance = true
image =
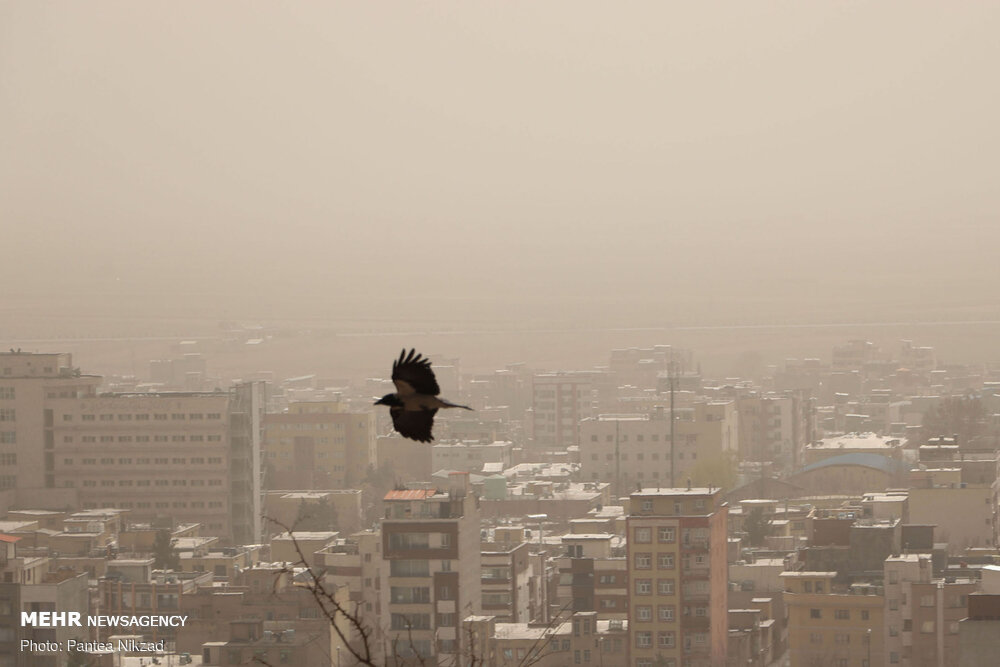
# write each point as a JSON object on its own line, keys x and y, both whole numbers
{"x": 663, "y": 586}
{"x": 90, "y": 483}
{"x": 196, "y": 460}
{"x": 145, "y": 416}
{"x": 664, "y": 534}
{"x": 7, "y": 415}
{"x": 680, "y": 439}
{"x": 664, "y": 612}
{"x": 644, "y": 561}
{"x": 6, "y": 393}
{"x": 144, "y": 438}
{"x": 8, "y": 459}
{"x": 839, "y": 614}
{"x": 8, "y": 481}
{"x": 644, "y": 639}
{"x": 641, "y": 457}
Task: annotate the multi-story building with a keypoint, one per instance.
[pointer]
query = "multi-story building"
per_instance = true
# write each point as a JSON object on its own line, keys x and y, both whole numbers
{"x": 677, "y": 576}
{"x": 841, "y": 628}
{"x": 317, "y": 445}
{"x": 774, "y": 427}
{"x": 592, "y": 576}
{"x": 28, "y": 585}
{"x": 431, "y": 540}
{"x": 28, "y": 384}
{"x": 506, "y": 581}
{"x": 559, "y": 402}
{"x": 634, "y": 449}
{"x": 922, "y": 613}
{"x": 192, "y": 457}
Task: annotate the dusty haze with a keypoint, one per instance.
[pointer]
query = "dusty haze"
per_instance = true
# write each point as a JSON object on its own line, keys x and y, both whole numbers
{"x": 535, "y": 176}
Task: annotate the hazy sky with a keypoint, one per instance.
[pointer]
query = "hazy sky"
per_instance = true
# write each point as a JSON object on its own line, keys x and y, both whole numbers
{"x": 664, "y": 155}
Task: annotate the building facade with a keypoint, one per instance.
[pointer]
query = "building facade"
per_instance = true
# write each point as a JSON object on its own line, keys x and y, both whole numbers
{"x": 678, "y": 578}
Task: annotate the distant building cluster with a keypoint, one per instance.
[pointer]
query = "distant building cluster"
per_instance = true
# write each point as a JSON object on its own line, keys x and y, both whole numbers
{"x": 636, "y": 514}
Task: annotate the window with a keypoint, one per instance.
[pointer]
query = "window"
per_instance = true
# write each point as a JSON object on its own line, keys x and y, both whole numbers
{"x": 647, "y": 505}
{"x": 643, "y": 586}
{"x": 643, "y": 561}
{"x": 842, "y": 638}
{"x": 665, "y": 612}
{"x": 842, "y": 614}
{"x": 815, "y": 613}
{"x": 643, "y": 535}
{"x": 815, "y": 638}
{"x": 665, "y": 586}
{"x": 665, "y": 561}
{"x": 864, "y": 614}
{"x": 643, "y": 639}
{"x": 644, "y": 613}
{"x": 926, "y": 600}
{"x": 665, "y": 639}
{"x": 927, "y": 627}
{"x": 665, "y": 534}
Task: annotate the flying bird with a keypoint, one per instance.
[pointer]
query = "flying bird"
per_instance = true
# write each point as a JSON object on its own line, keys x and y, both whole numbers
{"x": 416, "y": 401}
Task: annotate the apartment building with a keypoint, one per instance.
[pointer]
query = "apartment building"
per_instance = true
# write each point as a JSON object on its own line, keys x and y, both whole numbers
{"x": 774, "y": 427}
{"x": 507, "y": 581}
{"x": 634, "y": 449}
{"x": 28, "y": 384}
{"x": 431, "y": 541}
{"x": 923, "y": 613}
{"x": 559, "y": 402}
{"x": 841, "y": 628}
{"x": 678, "y": 580}
{"x": 27, "y": 584}
{"x": 318, "y": 445}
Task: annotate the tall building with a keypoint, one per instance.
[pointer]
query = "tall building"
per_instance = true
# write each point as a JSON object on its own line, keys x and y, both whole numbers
{"x": 677, "y": 574}
{"x": 187, "y": 456}
{"x": 431, "y": 540}
{"x": 316, "y": 445}
{"x": 28, "y": 384}
{"x": 774, "y": 428}
{"x": 559, "y": 402}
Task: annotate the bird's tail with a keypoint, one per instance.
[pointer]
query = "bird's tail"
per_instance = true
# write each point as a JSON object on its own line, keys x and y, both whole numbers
{"x": 449, "y": 404}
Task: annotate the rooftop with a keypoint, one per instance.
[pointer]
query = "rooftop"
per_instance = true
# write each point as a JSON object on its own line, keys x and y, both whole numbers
{"x": 679, "y": 491}
{"x": 410, "y": 494}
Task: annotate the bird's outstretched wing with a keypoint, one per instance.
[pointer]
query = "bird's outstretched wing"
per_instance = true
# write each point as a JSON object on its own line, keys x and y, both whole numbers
{"x": 411, "y": 373}
{"x": 413, "y": 424}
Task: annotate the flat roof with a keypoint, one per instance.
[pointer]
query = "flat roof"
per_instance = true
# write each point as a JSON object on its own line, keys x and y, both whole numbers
{"x": 679, "y": 491}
